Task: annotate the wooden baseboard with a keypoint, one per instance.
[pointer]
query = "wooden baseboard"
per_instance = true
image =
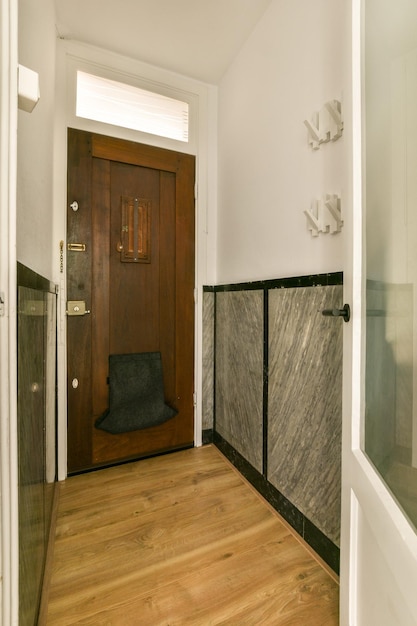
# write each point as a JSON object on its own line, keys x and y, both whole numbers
{"x": 43, "y": 608}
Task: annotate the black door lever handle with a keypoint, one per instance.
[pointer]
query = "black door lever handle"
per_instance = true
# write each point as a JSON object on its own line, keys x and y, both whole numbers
{"x": 345, "y": 312}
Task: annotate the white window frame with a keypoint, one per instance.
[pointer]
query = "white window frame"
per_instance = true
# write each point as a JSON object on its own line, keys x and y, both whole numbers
{"x": 74, "y": 56}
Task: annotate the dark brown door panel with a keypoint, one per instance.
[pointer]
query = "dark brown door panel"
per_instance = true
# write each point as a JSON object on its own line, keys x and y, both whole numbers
{"x": 135, "y": 273}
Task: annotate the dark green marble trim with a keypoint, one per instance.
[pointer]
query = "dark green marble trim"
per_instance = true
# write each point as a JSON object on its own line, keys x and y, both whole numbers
{"x": 28, "y": 278}
{"x": 313, "y": 280}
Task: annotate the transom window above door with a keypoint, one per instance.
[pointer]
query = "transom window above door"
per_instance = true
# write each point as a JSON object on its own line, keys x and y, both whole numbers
{"x": 120, "y": 104}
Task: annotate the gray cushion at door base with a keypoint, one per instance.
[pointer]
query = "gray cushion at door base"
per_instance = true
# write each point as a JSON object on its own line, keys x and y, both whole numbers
{"x": 126, "y": 418}
{"x": 136, "y": 394}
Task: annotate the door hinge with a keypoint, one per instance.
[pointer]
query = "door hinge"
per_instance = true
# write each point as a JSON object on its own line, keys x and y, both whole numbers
{"x": 195, "y": 191}
{"x": 195, "y": 296}
{"x": 195, "y": 398}
{"x": 2, "y": 304}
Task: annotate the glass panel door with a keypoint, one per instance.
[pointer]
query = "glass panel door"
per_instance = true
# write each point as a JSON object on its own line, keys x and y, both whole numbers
{"x": 391, "y": 241}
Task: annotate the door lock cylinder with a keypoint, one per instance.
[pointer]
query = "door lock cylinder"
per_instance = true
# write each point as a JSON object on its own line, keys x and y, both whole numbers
{"x": 76, "y": 307}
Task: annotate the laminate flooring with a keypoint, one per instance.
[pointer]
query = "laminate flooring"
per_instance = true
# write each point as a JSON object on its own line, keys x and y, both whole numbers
{"x": 180, "y": 539}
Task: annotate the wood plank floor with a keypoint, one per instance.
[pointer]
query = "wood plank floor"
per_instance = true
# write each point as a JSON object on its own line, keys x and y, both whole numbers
{"x": 180, "y": 539}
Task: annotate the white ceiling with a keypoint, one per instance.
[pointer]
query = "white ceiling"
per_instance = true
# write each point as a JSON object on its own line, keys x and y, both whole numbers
{"x": 197, "y": 38}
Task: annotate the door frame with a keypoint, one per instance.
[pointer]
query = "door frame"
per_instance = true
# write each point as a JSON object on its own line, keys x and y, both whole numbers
{"x": 203, "y": 145}
{"x": 9, "y": 535}
{"x": 168, "y": 179}
{"x": 368, "y": 509}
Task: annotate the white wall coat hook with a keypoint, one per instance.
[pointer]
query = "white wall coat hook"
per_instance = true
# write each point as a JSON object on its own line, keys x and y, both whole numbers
{"x": 333, "y": 205}
{"x": 325, "y": 215}
{"x": 325, "y": 125}
{"x": 315, "y": 136}
{"x": 313, "y": 219}
{"x": 334, "y": 109}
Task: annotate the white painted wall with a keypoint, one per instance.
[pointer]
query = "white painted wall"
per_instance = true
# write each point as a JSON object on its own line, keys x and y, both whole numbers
{"x": 289, "y": 67}
{"x": 35, "y": 138}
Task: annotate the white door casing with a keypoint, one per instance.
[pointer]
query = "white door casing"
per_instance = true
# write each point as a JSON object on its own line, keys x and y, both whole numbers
{"x": 9, "y": 557}
{"x": 378, "y": 544}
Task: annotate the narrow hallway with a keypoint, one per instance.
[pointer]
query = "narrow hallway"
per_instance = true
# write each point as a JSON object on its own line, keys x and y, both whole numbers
{"x": 180, "y": 539}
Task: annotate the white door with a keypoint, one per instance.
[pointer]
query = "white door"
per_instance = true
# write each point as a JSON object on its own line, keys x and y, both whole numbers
{"x": 379, "y": 478}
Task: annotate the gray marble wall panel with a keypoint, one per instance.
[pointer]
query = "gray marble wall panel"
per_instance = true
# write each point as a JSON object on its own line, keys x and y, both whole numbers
{"x": 208, "y": 359}
{"x": 239, "y": 372}
{"x": 36, "y": 385}
{"x": 305, "y": 402}
{"x": 32, "y": 530}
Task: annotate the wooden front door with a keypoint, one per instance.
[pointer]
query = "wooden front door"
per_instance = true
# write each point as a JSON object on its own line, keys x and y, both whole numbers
{"x": 130, "y": 259}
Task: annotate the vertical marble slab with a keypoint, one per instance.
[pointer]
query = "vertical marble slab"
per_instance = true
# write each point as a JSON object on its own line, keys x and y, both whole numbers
{"x": 36, "y": 433}
{"x": 208, "y": 360}
{"x": 32, "y": 531}
{"x": 239, "y": 372}
{"x": 305, "y": 402}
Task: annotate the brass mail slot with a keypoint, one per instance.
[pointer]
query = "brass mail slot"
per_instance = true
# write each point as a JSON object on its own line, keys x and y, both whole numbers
{"x": 76, "y": 307}
{"x": 76, "y": 247}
